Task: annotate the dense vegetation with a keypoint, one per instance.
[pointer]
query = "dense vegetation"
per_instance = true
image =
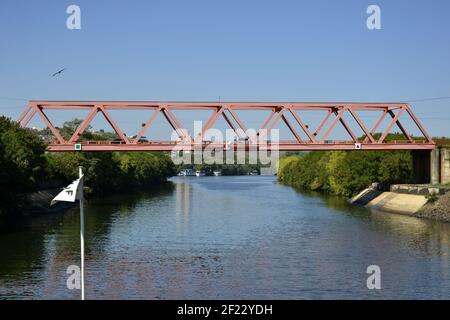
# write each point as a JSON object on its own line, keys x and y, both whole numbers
{"x": 442, "y": 141}
{"x": 111, "y": 171}
{"x": 22, "y": 162}
{"x": 25, "y": 166}
{"x": 345, "y": 173}
{"x": 69, "y": 127}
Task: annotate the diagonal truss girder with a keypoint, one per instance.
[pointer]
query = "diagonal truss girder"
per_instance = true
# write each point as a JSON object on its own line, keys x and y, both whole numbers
{"x": 228, "y": 111}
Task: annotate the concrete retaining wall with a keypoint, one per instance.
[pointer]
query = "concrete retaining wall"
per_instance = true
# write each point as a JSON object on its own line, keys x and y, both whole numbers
{"x": 419, "y": 189}
{"x": 390, "y": 201}
{"x": 398, "y": 202}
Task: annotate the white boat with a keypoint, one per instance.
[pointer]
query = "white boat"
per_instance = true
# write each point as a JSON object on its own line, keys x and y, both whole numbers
{"x": 217, "y": 173}
{"x": 190, "y": 172}
{"x": 200, "y": 173}
{"x": 187, "y": 173}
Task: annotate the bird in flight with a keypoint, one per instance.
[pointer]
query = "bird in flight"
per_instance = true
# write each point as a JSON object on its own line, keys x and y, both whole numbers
{"x": 58, "y": 72}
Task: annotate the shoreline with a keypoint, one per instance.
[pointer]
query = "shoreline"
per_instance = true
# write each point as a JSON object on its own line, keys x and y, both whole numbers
{"x": 427, "y": 206}
{"x": 38, "y": 204}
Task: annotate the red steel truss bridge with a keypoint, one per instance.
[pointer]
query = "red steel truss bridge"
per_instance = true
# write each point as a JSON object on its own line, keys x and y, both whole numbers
{"x": 306, "y": 138}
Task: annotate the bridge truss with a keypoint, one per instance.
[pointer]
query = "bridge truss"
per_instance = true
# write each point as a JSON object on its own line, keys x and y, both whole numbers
{"x": 316, "y": 138}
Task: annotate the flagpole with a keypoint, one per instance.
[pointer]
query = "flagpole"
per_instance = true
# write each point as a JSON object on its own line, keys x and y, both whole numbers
{"x": 80, "y": 170}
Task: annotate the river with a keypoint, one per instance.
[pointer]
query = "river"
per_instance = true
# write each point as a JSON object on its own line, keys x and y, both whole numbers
{"x": 226, "y": 238}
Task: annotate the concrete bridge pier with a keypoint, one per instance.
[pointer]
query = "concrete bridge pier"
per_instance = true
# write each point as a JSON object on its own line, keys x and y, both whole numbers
{"x": 445, "y": 165}
{"x": 432, "y": 166}
{"x": 435, "y": 164}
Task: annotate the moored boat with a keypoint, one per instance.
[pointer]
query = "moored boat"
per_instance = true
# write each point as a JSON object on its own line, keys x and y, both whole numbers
{"x": 186, "y": 173}
{"x": 200, "y": 173}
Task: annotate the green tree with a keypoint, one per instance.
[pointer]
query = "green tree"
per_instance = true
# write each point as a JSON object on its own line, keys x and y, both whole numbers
{"x": 345, "y": 173}
{"x": 69, "y": 128}
{"x": 22, "y": 162}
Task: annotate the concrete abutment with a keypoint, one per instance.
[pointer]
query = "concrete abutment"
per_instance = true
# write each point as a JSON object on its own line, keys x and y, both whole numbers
{"x": 432, "y": 166}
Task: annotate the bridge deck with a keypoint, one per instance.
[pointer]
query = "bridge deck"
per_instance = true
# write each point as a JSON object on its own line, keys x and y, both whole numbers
{"x": 284, "y": 146}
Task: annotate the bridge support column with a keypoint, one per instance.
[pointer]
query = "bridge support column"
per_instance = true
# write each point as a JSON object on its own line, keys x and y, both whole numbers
{"x": 435, "y": 161}
{"x": 421, "y": 166}
{"x": 445, "y": 165}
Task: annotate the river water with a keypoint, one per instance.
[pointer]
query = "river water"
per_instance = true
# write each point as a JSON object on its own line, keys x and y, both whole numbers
{"x": 226, "y": 238}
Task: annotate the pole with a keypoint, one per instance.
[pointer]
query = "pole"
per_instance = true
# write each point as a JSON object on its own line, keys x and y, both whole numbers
{"x": 80, "y": 170}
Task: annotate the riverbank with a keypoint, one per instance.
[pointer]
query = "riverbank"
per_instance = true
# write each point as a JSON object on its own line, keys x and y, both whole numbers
{"x": 407, "y": 204}
{"x": 36, "y": 204}
{"x": 437, "y": 210}
{"x": 435, "y": 207}
{"x": 27, "y": 169}
{"x": 106, "y": 173}
{"x": 39, "y": 203}
{"x": 345, "y": 174}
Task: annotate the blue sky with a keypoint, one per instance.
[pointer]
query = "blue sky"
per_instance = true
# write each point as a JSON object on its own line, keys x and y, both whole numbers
{"x": 232, "y": 50}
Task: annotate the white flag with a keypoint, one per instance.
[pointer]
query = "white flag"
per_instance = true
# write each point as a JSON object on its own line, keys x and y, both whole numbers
{"x": 71, "y": 192}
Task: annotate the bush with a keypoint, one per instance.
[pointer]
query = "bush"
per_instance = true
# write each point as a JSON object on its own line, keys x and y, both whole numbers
{"x": 141, "y": 169}
{"x": 24, "y": 164}
{"x": 345, "y": 173}
{"x": 432, "y": 198}
{"x": 111, "y": 172}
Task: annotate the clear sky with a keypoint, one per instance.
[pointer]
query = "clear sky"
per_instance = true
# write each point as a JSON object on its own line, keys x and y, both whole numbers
{"x": 228, "y": 50}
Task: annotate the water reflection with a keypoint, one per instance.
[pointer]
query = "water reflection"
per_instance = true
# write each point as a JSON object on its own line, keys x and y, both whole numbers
{"x": 227, "y": 237}
{"x": 183, "y": 204}
{"x": 431, "y": 237}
